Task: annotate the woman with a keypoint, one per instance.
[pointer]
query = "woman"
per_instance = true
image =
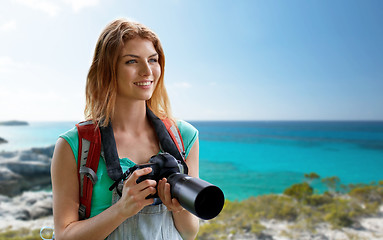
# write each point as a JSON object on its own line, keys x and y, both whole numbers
{"x": 126, "y": 76}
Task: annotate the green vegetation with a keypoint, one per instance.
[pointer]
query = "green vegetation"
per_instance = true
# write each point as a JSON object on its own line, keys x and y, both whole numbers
{"x": 22, "y": 234}
{"x": 299, "y": 206}
{"x": 332, "y": 183}
{"x": 300, "y": 191}
{"x": 311, "y": 177}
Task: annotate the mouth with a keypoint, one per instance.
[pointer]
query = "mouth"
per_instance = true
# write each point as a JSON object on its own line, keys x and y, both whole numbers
{"x": 143, "y": 83}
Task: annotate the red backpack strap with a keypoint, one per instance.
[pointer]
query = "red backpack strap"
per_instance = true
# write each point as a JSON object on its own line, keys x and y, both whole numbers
{"x": 175, "y": 134}
{"x": 89, "y": 151}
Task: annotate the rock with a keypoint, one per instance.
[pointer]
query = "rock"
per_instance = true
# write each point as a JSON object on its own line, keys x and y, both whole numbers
{"x": 357, "y": 226}
{"x": 2, "y": 140}
{"x": 29, "y": 168}
{"x": 319, "y": 237}
{"x": 48, "y": 151}
{"x": 25, "y": 170}
{"x": 14, "y": 123}
{"x": 7, "y": 175}
{"x": 28, "y": 206}
{"x": 263, "y": 236}
{"x": 22, "y": 214}
{"x": 41, "y": 211}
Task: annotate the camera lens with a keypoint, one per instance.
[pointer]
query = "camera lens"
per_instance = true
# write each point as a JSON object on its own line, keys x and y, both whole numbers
{"x": 209, "y": 202}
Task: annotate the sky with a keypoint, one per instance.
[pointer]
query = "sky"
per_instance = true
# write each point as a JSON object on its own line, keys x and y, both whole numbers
{"x": 225, "y": 60}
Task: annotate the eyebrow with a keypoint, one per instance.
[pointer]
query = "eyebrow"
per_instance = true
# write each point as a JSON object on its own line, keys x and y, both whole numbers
{"x": 135, "y": 56}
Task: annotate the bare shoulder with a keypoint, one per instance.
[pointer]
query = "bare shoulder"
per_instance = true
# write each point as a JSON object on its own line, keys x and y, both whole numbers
{"x": 64, "y": 185}
{"x": 63, "y": 155}
{"x": 63, "y": 163}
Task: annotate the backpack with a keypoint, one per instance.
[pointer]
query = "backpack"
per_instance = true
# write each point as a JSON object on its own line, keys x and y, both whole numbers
{"x": 90, "y": 145}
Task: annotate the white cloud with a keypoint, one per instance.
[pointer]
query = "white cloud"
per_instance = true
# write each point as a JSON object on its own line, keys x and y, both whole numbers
{"x": 53, "y": 8}
{"x": 77, "y": 5}
{"x": 8, "y": 26}
{"x": 49, "y": 7}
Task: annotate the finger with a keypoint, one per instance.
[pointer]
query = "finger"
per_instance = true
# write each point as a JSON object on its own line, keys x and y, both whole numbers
{"x": 147, "y": 183}
{"x": 166, "y": 193}
{"x": 146, "y": 192}
{"x": 141, "y": 172}
{"x": 161, "y": 189}
{"x": 138, "y": 173}
{"x": 148, "y": 202}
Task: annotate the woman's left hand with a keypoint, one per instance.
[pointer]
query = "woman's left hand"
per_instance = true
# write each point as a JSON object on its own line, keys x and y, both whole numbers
{"x": 163, "y": 189}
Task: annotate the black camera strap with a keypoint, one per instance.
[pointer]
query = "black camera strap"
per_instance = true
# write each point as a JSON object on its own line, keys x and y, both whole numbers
{"x": 164, "y": 138}
{"x": 112, "y": 160}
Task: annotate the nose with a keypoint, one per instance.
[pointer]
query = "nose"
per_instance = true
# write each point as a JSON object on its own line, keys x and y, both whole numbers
{"x": 145, "y": 69}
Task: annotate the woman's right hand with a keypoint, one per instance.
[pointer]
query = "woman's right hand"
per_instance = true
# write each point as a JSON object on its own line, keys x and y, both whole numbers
{"x": 133, "y": 197}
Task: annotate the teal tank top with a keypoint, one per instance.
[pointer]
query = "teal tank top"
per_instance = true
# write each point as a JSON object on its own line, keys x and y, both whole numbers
{"x": 102, "y": 197}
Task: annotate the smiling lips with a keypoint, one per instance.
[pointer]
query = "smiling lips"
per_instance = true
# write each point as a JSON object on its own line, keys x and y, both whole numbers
{"x": 143, "y": 83}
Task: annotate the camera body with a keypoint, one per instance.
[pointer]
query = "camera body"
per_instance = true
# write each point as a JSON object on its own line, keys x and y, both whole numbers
{"x": 199, "y": 197}
{"x": 163, "y": 165}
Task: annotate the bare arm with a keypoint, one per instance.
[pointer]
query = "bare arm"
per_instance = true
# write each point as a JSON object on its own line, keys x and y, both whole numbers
{"x": 186, "y": 223}
{"x": 65, "y": 188}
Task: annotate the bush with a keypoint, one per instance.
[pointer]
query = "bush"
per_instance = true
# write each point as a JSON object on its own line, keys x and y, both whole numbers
{"x": 298, "y": 205}
{"x": 332, "y": 183}
{"x": 299, "y": 191}
{"x": 22, "y": 234}
{"x": 318, "y": 200}
{"x": 368, "y": 194}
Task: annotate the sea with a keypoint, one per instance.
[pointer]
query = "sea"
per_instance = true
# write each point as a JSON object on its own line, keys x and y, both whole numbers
{"x": 252, "y": 158}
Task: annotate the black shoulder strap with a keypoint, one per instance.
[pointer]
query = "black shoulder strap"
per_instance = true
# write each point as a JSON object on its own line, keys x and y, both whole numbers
{"x": 167, "y": 144}
{"x": 112, "y": 160}
{"x": 110, "y": 150}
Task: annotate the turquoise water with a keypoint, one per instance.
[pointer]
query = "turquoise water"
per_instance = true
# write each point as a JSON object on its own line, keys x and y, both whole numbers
{"x": 36, "y": 134}
{"x": 253, "y": 158}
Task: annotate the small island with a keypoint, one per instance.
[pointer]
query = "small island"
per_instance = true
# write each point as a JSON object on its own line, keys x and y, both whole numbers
{"x": 14, "y": 123}
{"x": 2, "y": 140}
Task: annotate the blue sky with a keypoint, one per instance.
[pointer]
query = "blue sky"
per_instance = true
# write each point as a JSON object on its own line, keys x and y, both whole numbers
{"x": 225, "y": 60}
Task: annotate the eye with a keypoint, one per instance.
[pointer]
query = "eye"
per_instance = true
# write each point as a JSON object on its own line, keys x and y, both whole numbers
{"x": 153, "y": 60}
{"x": 130, "y": 61}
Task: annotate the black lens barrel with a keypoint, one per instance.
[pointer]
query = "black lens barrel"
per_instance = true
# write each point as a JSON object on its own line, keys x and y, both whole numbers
{"x": 199, "y": 197}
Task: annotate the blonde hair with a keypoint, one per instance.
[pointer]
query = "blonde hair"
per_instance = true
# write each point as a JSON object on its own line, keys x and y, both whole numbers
{"x": 101, "y": 84}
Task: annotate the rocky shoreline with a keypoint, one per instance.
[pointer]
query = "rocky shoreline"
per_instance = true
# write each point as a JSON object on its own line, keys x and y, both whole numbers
{"x": 26, "y": 203}
{"x": 25, "y": 170}
{"x": 24, "y": 176}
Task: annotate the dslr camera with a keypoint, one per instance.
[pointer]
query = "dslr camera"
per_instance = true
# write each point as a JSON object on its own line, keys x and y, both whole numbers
{"x": 199, "y": 197}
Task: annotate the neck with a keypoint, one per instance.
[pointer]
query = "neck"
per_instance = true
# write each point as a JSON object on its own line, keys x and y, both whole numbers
{"x": 129, "y": 115}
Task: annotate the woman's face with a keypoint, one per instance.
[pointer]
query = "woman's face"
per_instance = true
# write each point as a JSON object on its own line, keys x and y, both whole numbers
{"x": 138, "y": 70}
